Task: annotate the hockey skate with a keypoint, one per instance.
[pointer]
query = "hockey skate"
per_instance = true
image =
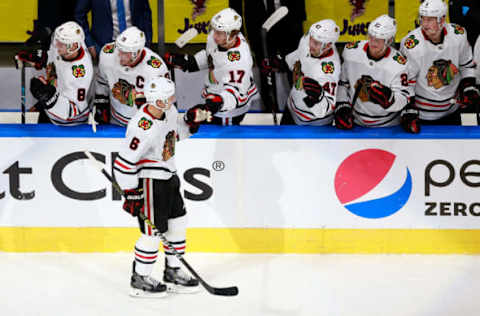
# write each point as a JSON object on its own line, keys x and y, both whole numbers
{"x": 146, "y": 286}
{"x": 178, "y": 281}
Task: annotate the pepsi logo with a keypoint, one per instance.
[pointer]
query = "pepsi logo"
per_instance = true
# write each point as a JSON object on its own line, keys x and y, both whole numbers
{"x": 372, "y": 183}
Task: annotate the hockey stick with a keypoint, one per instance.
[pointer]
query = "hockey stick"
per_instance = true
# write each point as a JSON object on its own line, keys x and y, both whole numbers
{"x": 226, "y": 291}
{"x": 276, "y": 16}
{"x": 186, "y": 37}
{"x": 20, "y": 63}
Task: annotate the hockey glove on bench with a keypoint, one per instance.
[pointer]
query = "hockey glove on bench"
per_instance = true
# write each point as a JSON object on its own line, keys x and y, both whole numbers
{"x": 45, "y": 93}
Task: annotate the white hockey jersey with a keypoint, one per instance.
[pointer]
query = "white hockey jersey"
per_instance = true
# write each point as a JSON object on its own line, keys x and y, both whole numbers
{"x": 122, "y": 84}
{"x": 230, "y": 75}
{"x": 326, "y": 71}
{"x": 436, "y": 70}
{"x": 148, "y": 150}
{"x": 390, "y": 71}
{"x": 72, "y": 79}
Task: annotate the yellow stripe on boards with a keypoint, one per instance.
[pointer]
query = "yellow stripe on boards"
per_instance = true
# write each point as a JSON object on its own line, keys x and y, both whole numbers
{"x": 249, "y": 240}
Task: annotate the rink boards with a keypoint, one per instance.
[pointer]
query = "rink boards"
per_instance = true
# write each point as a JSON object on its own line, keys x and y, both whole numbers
{"x": 253, "y": 190}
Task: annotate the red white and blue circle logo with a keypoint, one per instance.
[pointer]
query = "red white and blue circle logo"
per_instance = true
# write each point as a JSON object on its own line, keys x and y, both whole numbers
{"x": 371, "y": 183}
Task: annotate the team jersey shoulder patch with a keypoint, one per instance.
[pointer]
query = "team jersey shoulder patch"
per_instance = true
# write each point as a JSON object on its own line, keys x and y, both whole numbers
{"x": 411, "y": 42}
{"x": 145, "y": 123}
{"x": 457, "y": 29}
{"x": 154, "y": 62}
{"x": 78, "y": 71}
{"x": 351, "y": 45}
{"x": 399, "y": 58}
{"x": 109, "y": 48}
{"x": 233, "y": 55}
{"x": 328, "y": 67}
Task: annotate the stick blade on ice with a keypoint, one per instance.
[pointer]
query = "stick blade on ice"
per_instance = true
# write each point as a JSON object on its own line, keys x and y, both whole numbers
{"x": 186, "y": 37}
{"x": 276, "y": 16}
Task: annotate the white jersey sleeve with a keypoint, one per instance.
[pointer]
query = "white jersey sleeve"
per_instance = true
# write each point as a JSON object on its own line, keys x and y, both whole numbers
{"x": 72, "y": 79}
{"x": 476, "y": 58}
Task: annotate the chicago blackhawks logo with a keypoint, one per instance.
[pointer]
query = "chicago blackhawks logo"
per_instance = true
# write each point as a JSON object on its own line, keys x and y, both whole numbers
{"x": 169, "y": 146}
{"x": 411, "y": 42}
{"x": 145, "y": 123}
{"x": 351, "y": 45}
{"x": 358, "y": 8}
{"x": 234, "y": 56}
{"x": 199, "y": 8}
{"x": 328, "y": 67}
{"x": 400, "y": 59}
{"x": 109, "y": 48}
{"x": 124, "y": 92}
{"x": 458, "y": 29}
{"x": 78, "y": 71}
{"x": 441, "y": 73}
{"x": 154, "y": 62}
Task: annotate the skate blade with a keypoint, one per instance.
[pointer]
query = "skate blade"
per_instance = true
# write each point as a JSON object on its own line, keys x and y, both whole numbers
{"x": 179, "y": 289}
{"x": 145, "y": 294}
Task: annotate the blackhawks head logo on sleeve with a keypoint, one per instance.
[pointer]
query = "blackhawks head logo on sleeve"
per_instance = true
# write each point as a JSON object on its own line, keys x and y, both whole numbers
{"x": 441, "y": 73}
{"x": 154, "y": 62}
{"x": 145, "y": 123}
{"x": 351, "y": 45}
{"x": 298, "y": 75}
{"x": 169, "y": 146}
{"x": 78, "y": 71}
{"x": 328, "y": 67}
{"x": 400, "y": 59}
{"x": 458, "y": 29}
{"x": 51, "y": 74}
{"x": 234, "y": 56}
{"x": 411, "y": 42}
{"x": 109, "y": 48}
{"x": 124, "y": 92}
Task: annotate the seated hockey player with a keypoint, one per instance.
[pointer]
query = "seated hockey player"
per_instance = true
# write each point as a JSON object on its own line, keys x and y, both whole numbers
{"x": 62, "y": 94}
{"x": 145, "y": 169}
{"x": 229, "y": 84}
{"x": 373, "y": 88}
{"x": 124, "y": 67}
{"x": 316, "y": 70}
{"x": 441, "y": 62}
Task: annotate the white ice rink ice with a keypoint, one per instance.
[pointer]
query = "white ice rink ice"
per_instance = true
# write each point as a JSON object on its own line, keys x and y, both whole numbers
{"x": 287, "y": 285}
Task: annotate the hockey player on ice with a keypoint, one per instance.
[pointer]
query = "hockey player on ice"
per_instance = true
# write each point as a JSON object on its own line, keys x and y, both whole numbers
{"x": 124, "y": 67}
{"x": 441, "y": 62}
{"x": 374, "y": 85}
{"x": 145, "y": 169}
{"x": 316, "y": 70}
{"x": 229, "y": 85}
{"x": 62, "y": 94}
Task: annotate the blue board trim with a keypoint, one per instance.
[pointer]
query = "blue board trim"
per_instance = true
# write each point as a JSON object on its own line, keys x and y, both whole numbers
{"x": 249, "y": 132}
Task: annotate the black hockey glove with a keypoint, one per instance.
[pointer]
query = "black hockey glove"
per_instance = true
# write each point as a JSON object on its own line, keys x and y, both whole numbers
{"x": 101, "y": 105}
{"x": 46, "y": 94}
{"x": 344, "y": 116}
{"x": 133, "y": 201}
{"x": 381, "y": 95}
{"x": 273, "y": 64}
{"x": 182, "y": 61}
{"x": 468, "y": 92}
{"x": 410, "y": 120}
{"x": 40, "y": 35}
{"x": 313, "y": 90}
{"x": 213, "y": 103}
{"x": 35, "y": 57}
{"x": 197, "y": 115}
